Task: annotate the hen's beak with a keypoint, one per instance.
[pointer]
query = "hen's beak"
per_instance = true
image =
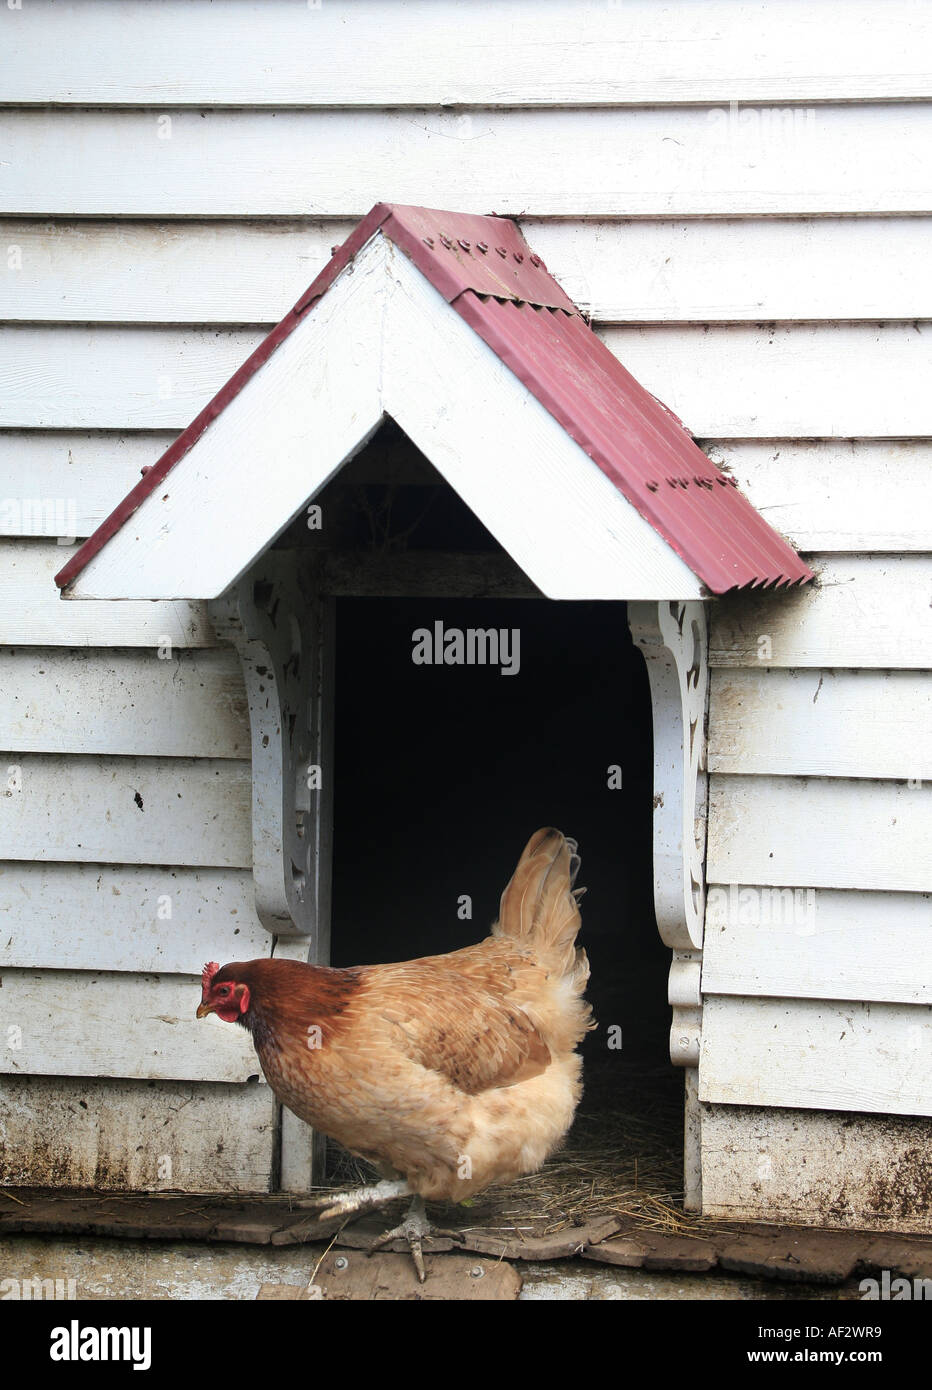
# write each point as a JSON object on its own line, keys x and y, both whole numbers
{"x": 204, "y": 1009}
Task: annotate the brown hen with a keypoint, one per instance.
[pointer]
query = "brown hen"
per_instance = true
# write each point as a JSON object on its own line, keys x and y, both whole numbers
{"x": 452, "y": 1071}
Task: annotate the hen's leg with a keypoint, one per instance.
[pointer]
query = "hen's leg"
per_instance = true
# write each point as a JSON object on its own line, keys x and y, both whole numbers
{"x": 414, "y": 1229}
{"x": 356, "y": 1201}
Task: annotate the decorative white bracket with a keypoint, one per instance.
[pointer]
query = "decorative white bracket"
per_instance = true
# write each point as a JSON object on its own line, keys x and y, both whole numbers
{"x": 275, "y": 625}
{"x": 673, "y": 638}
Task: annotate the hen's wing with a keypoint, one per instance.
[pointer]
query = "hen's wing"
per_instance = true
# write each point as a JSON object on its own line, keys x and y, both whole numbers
{"x": 457, "y": 1015}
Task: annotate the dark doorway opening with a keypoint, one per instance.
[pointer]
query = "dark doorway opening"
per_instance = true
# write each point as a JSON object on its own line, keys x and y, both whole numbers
{"x": 441, "y": 773}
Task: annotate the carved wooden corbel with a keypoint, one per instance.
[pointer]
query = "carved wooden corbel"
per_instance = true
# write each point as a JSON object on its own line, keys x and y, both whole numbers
{"x": 674, "y": 640}
{"x": 276, "y": 624}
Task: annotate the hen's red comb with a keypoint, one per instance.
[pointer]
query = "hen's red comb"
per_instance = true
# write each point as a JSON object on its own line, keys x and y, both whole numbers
{"x": 208, "y": 973}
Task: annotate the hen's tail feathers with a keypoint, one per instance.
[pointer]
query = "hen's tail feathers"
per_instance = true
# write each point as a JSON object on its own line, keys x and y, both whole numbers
{"x": 540, "y": 905}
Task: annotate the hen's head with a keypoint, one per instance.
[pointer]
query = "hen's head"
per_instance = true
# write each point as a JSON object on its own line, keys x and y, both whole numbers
{"x": 222, "y": 994}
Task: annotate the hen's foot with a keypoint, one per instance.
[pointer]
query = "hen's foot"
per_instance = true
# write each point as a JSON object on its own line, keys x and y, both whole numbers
{"x": 415, "y": 1229}
{"x": 356, "y": 1201}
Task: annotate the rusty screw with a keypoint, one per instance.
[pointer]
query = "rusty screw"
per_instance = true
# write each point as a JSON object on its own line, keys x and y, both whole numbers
{"x": 535, "y": 261}
{"x": 445, "y": 241}
{"x": 429, "y": 241}
{"x": 482, "y": 246}
{"x": 341, "y": 1262}
{"x": 518, "y": 255}
{"x": 501, "y": 251}
{"x": 476, "y": 1272}
{"x": 465, "y": 244}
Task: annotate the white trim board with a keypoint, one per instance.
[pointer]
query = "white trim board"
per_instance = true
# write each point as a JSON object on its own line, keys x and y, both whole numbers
{"x": 384, "y": 341}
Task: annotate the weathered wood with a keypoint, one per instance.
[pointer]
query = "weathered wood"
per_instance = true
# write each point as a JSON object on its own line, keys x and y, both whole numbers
{"x": 103, "y": 917}
{"x": 818, "y": 1055}
{"x": 356, "y": 1276}
{"x": 865, "y": 611}
{"x": 819, "y": 833}
{"x": 54, "y": 481}
{"x": 191, "y": 704}
{"x": 125, "y": 810}
{"x": 539, "y": 54}
{"x": 806, "y": 1167}
{"x": 91, "y": 1023}
{"x": 647, "y": 161}
{"x": 426, "y": 574}
{"x": 32, "y": 612}
{"x": 649, "y": 270}
{"x": 725, "y": 381}
{"x": 843, "y": 494}
{"x": 143, "y": 1136}
{"x": 821, "y": 723}
{"x": 818, "y": 944}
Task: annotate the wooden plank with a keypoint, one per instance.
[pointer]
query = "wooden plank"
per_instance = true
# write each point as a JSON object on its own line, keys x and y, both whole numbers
{"x": 818, "y": 944}
{"x": 638, "y": 271}
{"x": 90, "y": 1023}
{"x": 191, "y": 705}
{"x": 817, "y": 833}
{"x": 55, "y": 481}
{"x": 537, "y": 54}
{"x": 110, "y": 810}
{"x": 43, "y": 907}
{"x": 865, "y": 611}
{"x": 32, "y": 612}
{"x": 844, "y": 494}
{"x": 785, "y": 380}
{"x": 135, "y": 1136}
{"x": 433, "y": 574}
{"x": 806, "y": 1168}
{"x": 816, "y": 1055}
{"x": 725, "y": 381}
{"x": 821, "y": 723}
{"x": 651, "y": 161}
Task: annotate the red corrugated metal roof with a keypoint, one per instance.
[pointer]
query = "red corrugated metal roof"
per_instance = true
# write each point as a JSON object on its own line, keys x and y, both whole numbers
{"x": 484, "y": 268}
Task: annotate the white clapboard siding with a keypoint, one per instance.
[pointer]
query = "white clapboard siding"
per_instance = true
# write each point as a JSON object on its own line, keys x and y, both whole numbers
{"x": 820, "y": 833}
{"x": 115, "y": 917}
{"x": 818, "y": 944}
{"x": 125, "y": 810}
{"x": 151, "y": 1136}
{"x": 644, "y": 271}
{"x": 32, "y": 612}
{"x": 57, "y": 483}
{"x": 727, "y": 381}
{"x": 649, "y": 161}
{"x": 821, "y": 723}
{"x": 869, "y": 1172}
{"x": 817, "y": 1055}
{"x": 363, "y": 52}
{"x": 795, "y": 380}
{"x": 192, "y": 704}
{"x": 90, "y": 1023}
{"x": 843, "y": 494}
{"x": 868, "y": 611}
{"x": 823, "y": 495}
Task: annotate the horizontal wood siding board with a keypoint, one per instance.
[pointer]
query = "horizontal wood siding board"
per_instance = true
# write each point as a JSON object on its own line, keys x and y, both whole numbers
{"x": 89, "y": 1023}
{"x": 136, "y": 1136}
{"x": 819, "y": 833}
{"x": 870, "y": 611}
{"x": 844, "y": 495}
{"x": 126, "y": 918}
{"x": 724, "y": 382}
{"x": 649, "y": 161}
{"x": 638, "y": 271}
{"x": 817, "y": 1055}
{"x": 190, "y": 704}
{"x": 33, "y": 613}
{"x": 812, "y": 1168}
{"x": 818, "y": 944}
{"x": 821, "y": 723}
{"x": 823, "y": 495}
{"x": 171, "y": 811}
{"x": 541, "y": 53}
